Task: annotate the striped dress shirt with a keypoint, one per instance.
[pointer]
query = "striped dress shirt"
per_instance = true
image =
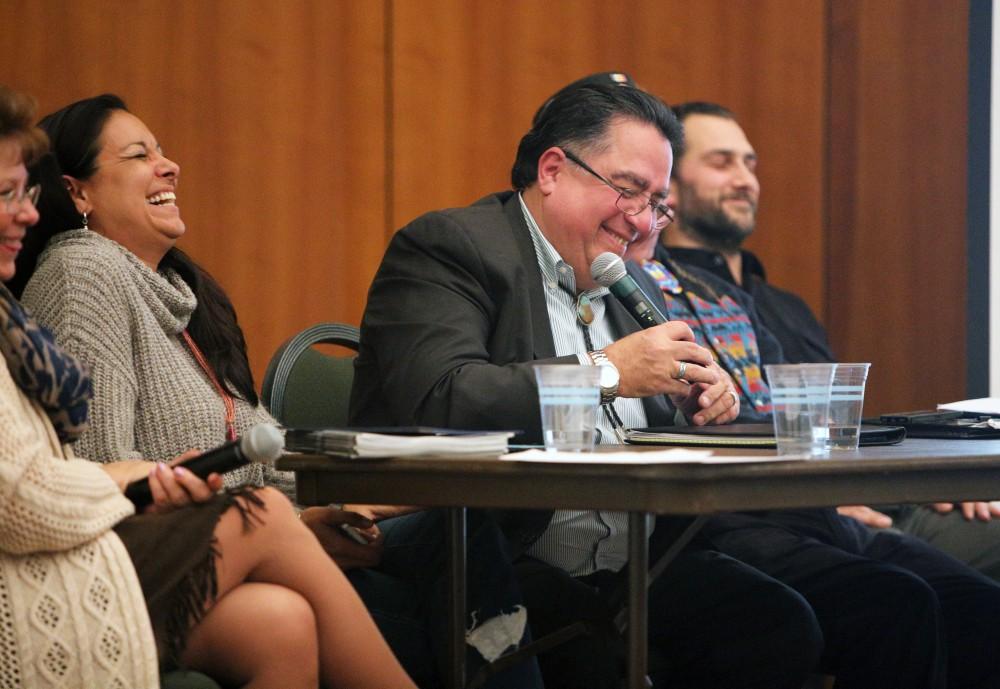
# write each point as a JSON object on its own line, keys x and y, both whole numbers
{"x": 580, "y": 542}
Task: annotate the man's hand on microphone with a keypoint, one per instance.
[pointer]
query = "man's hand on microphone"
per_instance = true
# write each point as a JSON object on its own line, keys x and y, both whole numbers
{"x": 648, "y": 361}
{"x": 715, "y": 404}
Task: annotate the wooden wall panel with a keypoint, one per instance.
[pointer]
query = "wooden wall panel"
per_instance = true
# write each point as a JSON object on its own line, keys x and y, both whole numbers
{"x": 275, "y": 112}
{"x": 309, "y": 130}
{"x": 468, "y": 77}
{"x": 897, "y": 147}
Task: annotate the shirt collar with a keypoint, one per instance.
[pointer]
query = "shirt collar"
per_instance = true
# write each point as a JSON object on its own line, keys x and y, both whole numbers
{"x": 752, "y": 266}
{"x": 554, "y": 269}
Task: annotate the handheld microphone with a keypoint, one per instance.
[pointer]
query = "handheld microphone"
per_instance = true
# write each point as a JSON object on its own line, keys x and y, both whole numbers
{"x": 262, "y": 443}
{"x": 609, "y": 271}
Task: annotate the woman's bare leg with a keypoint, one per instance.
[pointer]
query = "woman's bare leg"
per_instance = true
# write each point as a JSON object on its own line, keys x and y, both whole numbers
{"x": 281, "y": 551}
{"x": 257, "y": 636}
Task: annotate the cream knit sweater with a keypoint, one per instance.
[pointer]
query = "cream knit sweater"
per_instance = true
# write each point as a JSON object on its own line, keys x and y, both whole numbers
{"x": 71, "y": 609}
{"x": 151, "y": 398}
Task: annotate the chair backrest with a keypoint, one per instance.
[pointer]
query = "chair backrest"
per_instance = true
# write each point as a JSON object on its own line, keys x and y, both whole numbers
{"x": 186, "y": 679}
{"x": 304, "y": 388}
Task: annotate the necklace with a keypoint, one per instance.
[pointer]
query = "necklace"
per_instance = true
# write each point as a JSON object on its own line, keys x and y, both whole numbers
{"x": 227, "y": 399}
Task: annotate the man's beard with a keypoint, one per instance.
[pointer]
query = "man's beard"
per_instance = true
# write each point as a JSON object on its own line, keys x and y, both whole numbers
{"x": 711, "y": 226}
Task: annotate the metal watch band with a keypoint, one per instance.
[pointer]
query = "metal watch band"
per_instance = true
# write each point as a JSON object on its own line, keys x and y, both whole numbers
{"x": 599, "y": 358}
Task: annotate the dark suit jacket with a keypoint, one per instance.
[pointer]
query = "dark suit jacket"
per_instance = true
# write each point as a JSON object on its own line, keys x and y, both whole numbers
{"x": 456, "y": 318}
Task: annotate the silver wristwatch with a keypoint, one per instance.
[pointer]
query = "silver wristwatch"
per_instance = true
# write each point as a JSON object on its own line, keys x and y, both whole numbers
{"x": 610, "y": 377}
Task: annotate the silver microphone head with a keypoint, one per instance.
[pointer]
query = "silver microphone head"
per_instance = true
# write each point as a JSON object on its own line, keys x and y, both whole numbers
{"x": 262, "y": 443}
{"x": 607, "y": 269}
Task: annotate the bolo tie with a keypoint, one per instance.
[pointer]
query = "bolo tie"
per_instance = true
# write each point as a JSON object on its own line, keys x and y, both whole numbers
{"x": 585, "y": 316}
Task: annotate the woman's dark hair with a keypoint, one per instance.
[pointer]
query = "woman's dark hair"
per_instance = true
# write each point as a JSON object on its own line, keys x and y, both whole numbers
{"x": 75, "y": 133}
{"x": 578, "y": 116}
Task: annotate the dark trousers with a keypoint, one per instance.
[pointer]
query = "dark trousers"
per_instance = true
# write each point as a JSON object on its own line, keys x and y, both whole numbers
{"x": 974, "y": 542}
{"x": 407, "y": 595}
{"x": 894, "y": 611}
{"x": 714, "y": 623}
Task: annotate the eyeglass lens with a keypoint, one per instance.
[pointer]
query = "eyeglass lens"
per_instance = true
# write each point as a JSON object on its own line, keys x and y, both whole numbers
{"x": 14, "y": 201}
{"x": 636, "y": 205}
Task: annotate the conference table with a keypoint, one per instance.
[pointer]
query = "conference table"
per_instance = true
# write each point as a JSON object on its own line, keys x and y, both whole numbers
{"x": 916, "y": 470}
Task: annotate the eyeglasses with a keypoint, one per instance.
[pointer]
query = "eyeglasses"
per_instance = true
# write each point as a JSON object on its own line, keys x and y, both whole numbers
{"x": 631, "y": 202}
{"x": 13, "y": 200}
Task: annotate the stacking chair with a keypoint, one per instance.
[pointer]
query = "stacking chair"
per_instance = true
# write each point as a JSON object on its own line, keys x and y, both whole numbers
{"x": 185, "y": 679}
{"x": 306, "y": 388}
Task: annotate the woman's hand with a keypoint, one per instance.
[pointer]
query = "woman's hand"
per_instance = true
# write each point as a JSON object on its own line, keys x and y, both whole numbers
{"x": 174, "y": 486}
{"x": 126, "y": 471}
{"x": 171, "y": 485}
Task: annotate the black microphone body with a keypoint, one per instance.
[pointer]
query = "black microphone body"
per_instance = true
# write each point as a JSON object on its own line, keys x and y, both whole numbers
{"x": 262, "y": 443}
{"x": 609, "y": 271}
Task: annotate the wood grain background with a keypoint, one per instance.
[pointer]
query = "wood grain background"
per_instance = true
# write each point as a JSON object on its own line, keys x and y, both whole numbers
{"x": 309, "y": 130}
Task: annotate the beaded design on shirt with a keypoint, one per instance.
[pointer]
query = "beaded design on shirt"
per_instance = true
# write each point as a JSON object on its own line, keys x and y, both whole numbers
{"x": 723, "y": 327}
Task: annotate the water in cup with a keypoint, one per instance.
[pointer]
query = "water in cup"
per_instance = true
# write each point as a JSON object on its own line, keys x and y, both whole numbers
{"x": 568, "y": 425}
{"x": 843, "y": 437}
{"x": 800, "y": 399}
{"x": 569, "y": 397}
{"x": 847, "y": 396}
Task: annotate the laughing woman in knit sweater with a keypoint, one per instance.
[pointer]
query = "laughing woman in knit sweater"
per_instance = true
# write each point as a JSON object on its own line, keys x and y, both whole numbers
{"x": 92, "y": 595}
{"x": 167, "y": 356}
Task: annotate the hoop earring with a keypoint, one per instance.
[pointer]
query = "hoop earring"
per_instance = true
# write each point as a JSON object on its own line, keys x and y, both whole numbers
{"x": 85, "y": 220}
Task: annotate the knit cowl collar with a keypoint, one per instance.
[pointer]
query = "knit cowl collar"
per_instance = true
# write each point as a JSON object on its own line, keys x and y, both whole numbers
{"x": 44, "y": 371}
{"x": 170, "y": 299}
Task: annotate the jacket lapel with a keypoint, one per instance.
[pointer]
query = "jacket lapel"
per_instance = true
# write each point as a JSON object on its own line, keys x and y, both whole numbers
{"x": 541, "y": 329}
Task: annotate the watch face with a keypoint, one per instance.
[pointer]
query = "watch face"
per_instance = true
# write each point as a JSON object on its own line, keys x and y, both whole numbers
{"x": 609, "y": 377}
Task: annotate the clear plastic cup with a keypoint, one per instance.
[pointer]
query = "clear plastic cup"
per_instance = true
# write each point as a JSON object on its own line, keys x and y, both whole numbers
{"x": 847, "y": 398}
{"x": 800, "y": 399}
{"x": 569, "y": 397}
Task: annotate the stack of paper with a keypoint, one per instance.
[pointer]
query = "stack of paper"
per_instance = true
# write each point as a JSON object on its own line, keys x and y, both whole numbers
{"x": 983, "y": 405}
{"x": 363, "y": 444}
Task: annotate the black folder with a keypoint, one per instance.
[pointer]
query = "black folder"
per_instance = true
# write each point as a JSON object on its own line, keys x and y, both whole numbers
{"x": 759, "y": 435}
{"x": 943, "y": 424}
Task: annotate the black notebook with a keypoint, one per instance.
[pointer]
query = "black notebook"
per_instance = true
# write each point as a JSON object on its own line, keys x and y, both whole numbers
{"x": 743, "y": 435}
{"x": 944, "y": 424}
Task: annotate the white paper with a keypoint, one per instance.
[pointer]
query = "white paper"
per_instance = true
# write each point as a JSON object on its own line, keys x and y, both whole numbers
{"x": 672, "y": 456}
{"x": 386, "y": 445}
{"x": 983, "y": 405}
